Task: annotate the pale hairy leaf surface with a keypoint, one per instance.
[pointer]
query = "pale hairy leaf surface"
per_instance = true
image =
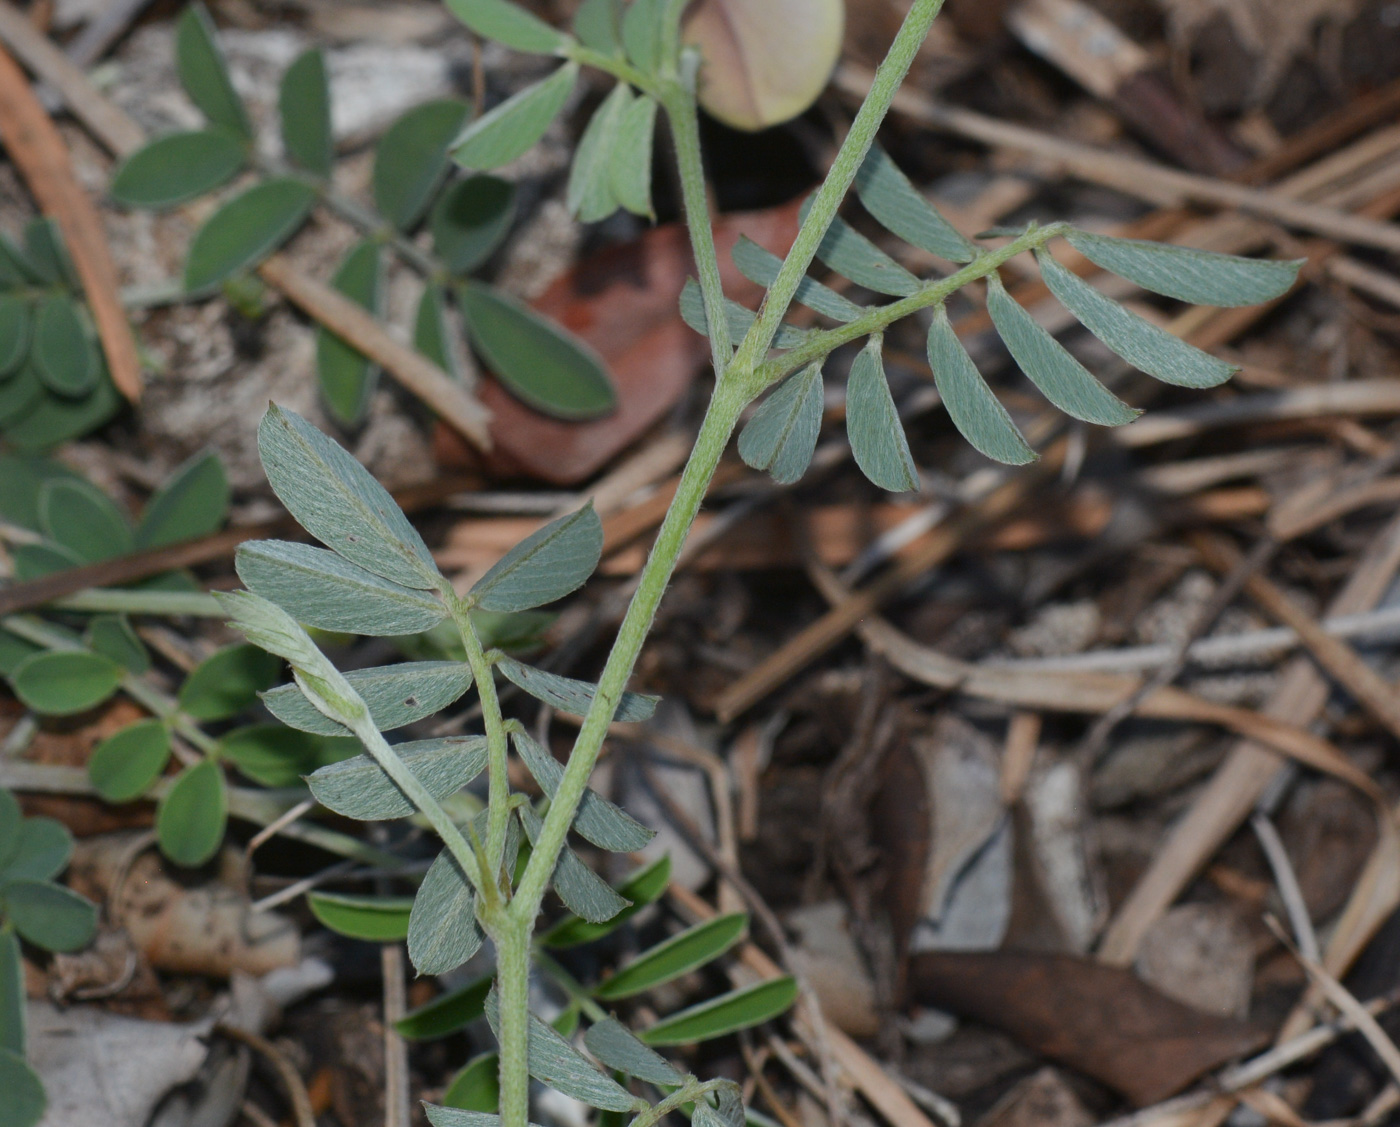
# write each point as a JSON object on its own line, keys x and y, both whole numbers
{"x": 506, "y": 132}
{"x": 571, "y": 696}
{"x": 643, "y": 886}
{"x": 337, "y": 500}
{"x": 1199, "y": 276}
{"x": 583, "y": 891}
{"x": 612, "y": 1044}
{"x": 1060, "y": 377}
{"x": 727, "y": 1111}
{"x": 599, "y": 821}
{"x": 440, "y": 1116}
{"x": 878, "y": 442}
{"x": 641, "y": 32}
{"x": 1139, "y": 342}
{"x": 975, "y": 411}
{"x": 360, "y": 788}
{"x": 395, "y": 695}
{"x": 630, "y": 168}
{"x": 590, "y": 195}
{"x": 782, "y": 435}
{"x": 739, "y": 319}
{"x": 323, "y": 589}
{"x": 442, "y": 929}
{"x": 509, "y": 24}
{"x": 548, "y": 564}
{"x": 853, "y": 256}
{"x": 762, "y": 266}
{"x": 682, "y": 953}
{"x": 304, "y": 101}
{"x": 902, "y": 209}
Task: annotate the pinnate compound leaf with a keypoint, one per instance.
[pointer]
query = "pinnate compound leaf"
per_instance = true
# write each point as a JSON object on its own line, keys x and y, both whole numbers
{"x": 49, "y": 915}
{"x": 193, "y": 503}
{"x": 641, "y": 888}
{"x": 395, "y": 695}
{"x": 64, "y": 351}
{"x": 304, "y": 102}
{"x": 378, "y": 919}
{"x": 630, "y": 167}
{"x": 598, "y": 25}
{"x": 228, "y": 681}
{"x": 548, "y": 564}
{"x": 535, "y": 359}
{"x": 975, "y": 411}
{"x": 1060, "y": 377}
{"x": 246, "y": 230}
{"x": 64, "y": 682}
{"x": 509, "y": 24}
{"x": 360, "y": 788}
{"x": 15, "y": 323}
{"x": 583, "y": 891}
{"x": 604, "y": 824}
{"x": 571, "y": 696}
{"x": 739, "y": 1009}
{"x": 902, "y": 209}
{"x": 347, "y": 376}
{"x": 76, "y": 515}
{"x": 442, "y": 929}
{"x": 590, "y": 195}
{"x": 506, "y": 132}
{"x": 612, "y": 1044}
{"x": 277, "y": 756}
{"x": 691, "y": 949}
{"x": 1139, "y": 342}
{"x": 25, "y": 1100}
{"x": 878, "y": 442}
{"x": 853, "y": 256}
{"x": 762, "y": 266}
{"x": 782, "y": 435}
{"x": 692, "y": 305}
{"x": 336, "y": 499}
{"x": 45, "y": 847}
{"x": 178, "y": 167}
{"x": 191, "y": 817}
{"x": 125, "y": 764}
{"x": 447, "y": 1013}
{"x": 470, "y": 220}
{"x": 411, "y": 159}
{"x": 553, "y": 1061}
{"x": 12, "y": 996}
{"x": 1201, "y": 277}
{"x": 204, "y": 73}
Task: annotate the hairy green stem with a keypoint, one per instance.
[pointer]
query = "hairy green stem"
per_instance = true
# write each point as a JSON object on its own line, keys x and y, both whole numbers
{"x": 688, "y": 1092}
{"x": 513, "y": 986}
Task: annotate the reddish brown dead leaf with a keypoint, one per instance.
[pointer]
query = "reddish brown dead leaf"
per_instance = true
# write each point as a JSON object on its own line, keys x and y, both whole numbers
{"x": 623, "y": 302}
{"x": 1102, "y": 1021}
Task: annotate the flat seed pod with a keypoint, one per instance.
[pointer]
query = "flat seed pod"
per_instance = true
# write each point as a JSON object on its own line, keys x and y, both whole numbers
{"x": 178, "y": 167}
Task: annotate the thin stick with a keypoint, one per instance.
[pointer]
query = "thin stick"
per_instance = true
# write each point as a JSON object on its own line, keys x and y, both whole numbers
{"x": 397, "y": 1107}
{"x": 297, "y": 1094}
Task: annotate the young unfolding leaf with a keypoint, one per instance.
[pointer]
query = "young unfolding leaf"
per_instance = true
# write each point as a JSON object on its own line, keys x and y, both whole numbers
{"x": 447, "y": 1013}
{"x": 336, "y": 499}
{"x": 359, "y": 788}
{"x": 762, "y": 266}
{"x": 377, "y": 919}
{"x": 204, "y": 74}
{"x": 583, "y": 891}
{"x": 598, "y": 25}
{"x": 227, "y": 682}
{"x": 1060, "y": 377}
{"x": 44, "y": 850}
{"x": 193, "y": 503}
{"x": 607, "y": 826}
{"x": 533, "y": 357}
{"x": 442, "y": 929}
{"x": 612, "y": 1044}
{"x": 304, "y": 101}
{"x": 15, "y": 324}
{"x": 975, "y": 411}
{"x": 739, "y": 1009}
{"x": 643, "y": 887}
{"x": 853, "y": 256}
{"x": 902, "y": 209}
{"x": 878, "y": 443}
{"x": 590, "y": 195}
{"x": 573, "y": 697}
{"x": 246, "y": 230}
{"x": 48, "y": 915}
{"x": 630, "y": 167}
{"x": 1198, "y": 276}
{"x": 62, "y": 683}
{"x": 63, "y": 349}
{"x": 498, "y": 137}
{"x": 553, "y": 1061}
{"x": 548, "y": 564}
{"x": 347, "y": 376}
{"x": 1141, "y": 343}
{"x": 509, "y": 24}
{"x": 191, "y": 817}
{"x": 782, "y": 435}
{"x": 692, "y": 305}
{"x": 470, "y": 219}
{"x": 395, "y": 695}
{"x": 681, "y": 954}
{"x": 112, "y": 636}
{"x": 178, "y": 167}
{"x": 411, "y": 159}
{"x": 641, "y": 33}
{"x": 125, "y": 764}
{"x": 76, "y": 515}
{"x": 277, "y": 756}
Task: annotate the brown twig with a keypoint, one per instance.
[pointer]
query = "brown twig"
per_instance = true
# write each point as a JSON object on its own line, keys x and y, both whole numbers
{"x": 297, "y": 1095}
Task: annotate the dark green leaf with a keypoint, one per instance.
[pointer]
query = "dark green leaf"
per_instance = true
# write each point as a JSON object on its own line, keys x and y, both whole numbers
{"x": 641, "y": 33}
{"x": 470, "y": 220}
{"x": 22, "y": 479}
{"x": 852, "y": 255}
{"x": 13, "y": 651}
{"x": 442, "y": 929}
{"x": 411, "y": 158}
{"x": 12, "y": 1000}
{"x": 49, "y": 915}
{"x": 53, "y": 419}
{"x": 475, "y": 1089}
{"x": 782, "y": 435}
{"x": 739, "y": 1009}
{"x": 61, "y": 683}
{"x": 902, "y": 209}
{"x": 11, "y": 821}
{"x": 498, "y": 137}
{"x": 509, "y": 24}
{"x": 347, "y": 376}
{"x": 43, "y": 247}
{"x": 246, "y": 230}
{"x": 762, "y": 266}
{"x": 76, "y": 515}
{"x": 24, "y": 1091}
{"x": 276, "y": 756}
{"x": 335, "y": 499}
{"x": 536, "y": 360}
{"x": 304, "y": 101}
{"x": 430, "y": 331}
{"x": 598, "y": 25}
{"x": 178, "y": 167}
{"x": 228, "y": 681}
{"x": 630, "y": 168}
{"x": 20, "y": 395}
{"x": 1198, "y": 276}
{"x": 612, "y": 1044}
{"x": 14, "y": 334}
{"x": 111, "y": 635}
{"x": 45, "y": 847}
{"x": 378, "y": 919}
{"x": 590, "y": 195}
{"x": 878, "y": 443}
{"x": 550, "y": 563}
{"x": 204, "y": 73}
{"x": 63, "y": 350}
{"x": 583, "y": 891}
{"x": 607, "y": 826}
{"x": 447, "y": 1013}
{"x": 975, "y": 411}
{"x": 191, "y": 816}
{"x": 125, "y": 764}
{"x": 641, "y": 888}
{"x": 573, "y": 697}
{"x": 193, "y": 503}
{"x": 359, "y": 788}
{"x": 395, "y": 695}
{"x": 681, "y": 954}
